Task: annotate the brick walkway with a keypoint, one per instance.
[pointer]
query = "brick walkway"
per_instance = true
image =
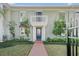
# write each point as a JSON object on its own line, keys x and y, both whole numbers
{"x": 38, "y": 49}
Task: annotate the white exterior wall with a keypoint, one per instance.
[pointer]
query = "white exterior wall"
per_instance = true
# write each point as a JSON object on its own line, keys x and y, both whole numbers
{"x": 77, "y": 18}
{"x": 46, "y": 31}
{"x": 16, "y": 18}
{"x": 52, "y": 16}
{"x": 78, "y": 25}
{"x": 1, "y": 28}
{"x": 6, "y": 24}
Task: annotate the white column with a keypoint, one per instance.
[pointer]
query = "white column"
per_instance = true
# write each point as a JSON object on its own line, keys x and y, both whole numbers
{"x": 78, "y": 27}
{"x": 34, "y": 33}
{"x": 1, "y": 28}
{"x": 77, "y": 18}
{"x": 43, "y": 34}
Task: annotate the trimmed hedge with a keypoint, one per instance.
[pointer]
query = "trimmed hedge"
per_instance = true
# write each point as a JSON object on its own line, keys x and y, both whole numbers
{"x": 14, "y": 42}
{"x": 56, "y": 40}
{"x": 59, "y": 40}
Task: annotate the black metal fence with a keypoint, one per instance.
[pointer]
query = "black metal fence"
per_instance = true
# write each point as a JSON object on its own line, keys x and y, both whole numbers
{"x": 72, "y": 41}
{"x": 72, "y": 45}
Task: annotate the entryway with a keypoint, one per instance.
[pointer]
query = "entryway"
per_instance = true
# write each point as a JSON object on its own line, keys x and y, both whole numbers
{"x": 39, "y": 33}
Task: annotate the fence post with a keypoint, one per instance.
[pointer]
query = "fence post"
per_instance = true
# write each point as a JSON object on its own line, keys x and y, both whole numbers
{"x": 68, "y": 44}
{"x": 76, "y": 42}
{"x": 73, "y": 47}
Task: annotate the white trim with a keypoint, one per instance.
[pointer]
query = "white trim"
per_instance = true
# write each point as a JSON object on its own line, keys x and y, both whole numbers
{"x": 34, "y": 33}
{"x": 43, "y": 33}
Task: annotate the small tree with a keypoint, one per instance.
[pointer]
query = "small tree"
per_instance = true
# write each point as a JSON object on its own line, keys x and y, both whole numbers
{"x": 26, "y": 26}
{"x": 59, "y": 26}
{"x": 12, "y": 28}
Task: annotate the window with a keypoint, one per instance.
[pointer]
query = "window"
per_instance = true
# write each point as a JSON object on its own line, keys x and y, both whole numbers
{"x": 38, "y": 18}
{"x": 21, "y": 14}
{"x": 38, "y": 13}
{"x": 22, "y": 32}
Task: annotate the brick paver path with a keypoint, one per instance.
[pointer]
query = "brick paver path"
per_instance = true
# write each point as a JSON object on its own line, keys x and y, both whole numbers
{"x": 38, "y": 49}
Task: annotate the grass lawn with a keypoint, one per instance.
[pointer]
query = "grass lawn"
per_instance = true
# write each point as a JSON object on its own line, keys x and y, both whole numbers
{"x": 15, "y": 48}
{"x": 56, "y": 50}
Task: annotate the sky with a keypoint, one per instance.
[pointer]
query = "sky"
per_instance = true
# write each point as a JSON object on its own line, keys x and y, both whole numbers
{"x": 46, "y": 4}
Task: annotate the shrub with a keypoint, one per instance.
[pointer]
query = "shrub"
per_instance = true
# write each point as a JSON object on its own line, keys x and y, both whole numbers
{"x": 49, "y": 39}
{"x": 56, "y": 40}
{"x": 74, "y": 40}
{"x": 60, "y": 40}
{"x": 6, "y": 44}
{"x": 14, "y": 42}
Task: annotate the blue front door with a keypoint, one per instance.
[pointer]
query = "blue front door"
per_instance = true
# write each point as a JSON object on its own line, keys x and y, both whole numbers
{"x": 38, "y": 33}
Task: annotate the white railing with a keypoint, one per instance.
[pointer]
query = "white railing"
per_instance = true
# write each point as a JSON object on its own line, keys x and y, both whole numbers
{"x": 39, "y": 20}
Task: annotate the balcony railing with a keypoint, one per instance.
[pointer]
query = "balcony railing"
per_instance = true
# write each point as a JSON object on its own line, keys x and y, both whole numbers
{"x": 39, "y": 20}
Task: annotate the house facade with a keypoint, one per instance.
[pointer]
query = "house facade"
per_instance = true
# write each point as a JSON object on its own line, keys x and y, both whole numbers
{"x": 41, "y": 20}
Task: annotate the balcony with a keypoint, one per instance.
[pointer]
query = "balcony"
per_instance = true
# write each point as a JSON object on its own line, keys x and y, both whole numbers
{"x": 39, "y": 20}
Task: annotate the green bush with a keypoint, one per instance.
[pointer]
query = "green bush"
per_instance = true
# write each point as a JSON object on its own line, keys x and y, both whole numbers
{"x": 6, "y": 44}
{"x": 49, "y": 40}
{"x": 56, "y": 40}
{"x": 60, "y": 40}
{"x": 74, "y": 40}
{"x": 14, "y": 42}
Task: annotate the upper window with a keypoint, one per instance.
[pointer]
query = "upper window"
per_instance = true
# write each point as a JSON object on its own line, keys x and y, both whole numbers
{"x": 21, "y": 14}
{"x": 38, "y": 13}
{"x": 38, "y": 19}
